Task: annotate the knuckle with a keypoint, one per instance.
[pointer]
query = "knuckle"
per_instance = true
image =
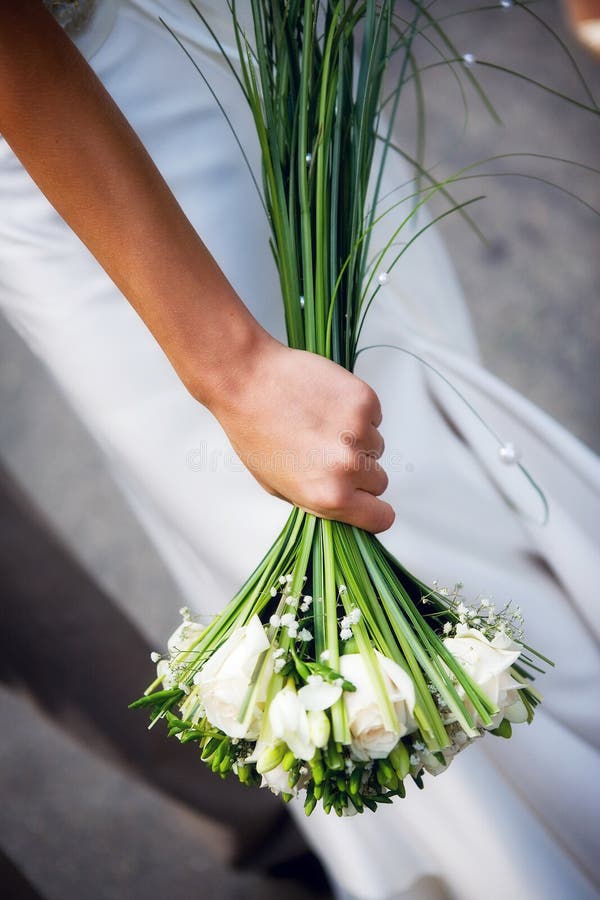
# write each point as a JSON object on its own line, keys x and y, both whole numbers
{"x": 367, "y": 407}
{"x": 383, "y": 480}
{"x": 361, "y": 463}
{"x": 381, "y": 518}
{"x": 388, "y": 517}
{"x": 367, "y": 462}
{"x": 366, "y": 395}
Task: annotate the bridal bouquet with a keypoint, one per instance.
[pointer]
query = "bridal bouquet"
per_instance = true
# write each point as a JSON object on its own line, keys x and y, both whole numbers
{"x": 334, "y": 673}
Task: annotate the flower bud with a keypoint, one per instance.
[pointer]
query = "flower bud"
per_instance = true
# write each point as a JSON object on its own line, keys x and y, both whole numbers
{"x": 270, "y": 758}
{"x": 357, "y": 802}
{"x": 288, "y": 761}
{"x": 317, "y": 768}
{"x": 386, "y": 776}
{"x": 219, "y": 755}
{"x": 334, "y": 758}
{"x": 211, "y": 746}
{"x": 400, "y": 760}
{"x": 243, "y": 773}
{"x": 309, "y": 804}
{"x": 226, "y": 764}
{"x": 319, "y": 727}
{"x": 355, "y": 781}
{"x": 516, "y": 712}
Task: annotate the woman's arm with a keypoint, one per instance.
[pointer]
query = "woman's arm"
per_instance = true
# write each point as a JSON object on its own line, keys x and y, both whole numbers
{"x": 273, "y": 402}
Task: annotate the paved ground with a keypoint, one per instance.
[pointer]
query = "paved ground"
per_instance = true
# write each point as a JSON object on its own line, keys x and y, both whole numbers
{"x": 534, "y": 290}
{"x": 534, "y": 297}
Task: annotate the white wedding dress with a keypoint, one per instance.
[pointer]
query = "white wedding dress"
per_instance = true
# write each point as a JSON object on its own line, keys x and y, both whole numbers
{"x": 511, "y": 819}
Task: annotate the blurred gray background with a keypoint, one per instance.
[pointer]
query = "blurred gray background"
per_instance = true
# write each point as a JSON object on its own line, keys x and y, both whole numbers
{"x": 533, "y": 292}
{"x": 534, "y": 289}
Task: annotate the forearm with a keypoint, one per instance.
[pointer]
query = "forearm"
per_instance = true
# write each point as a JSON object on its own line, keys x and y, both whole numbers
{"x": 88, "y": 161}
{"x": 271, "y": 400}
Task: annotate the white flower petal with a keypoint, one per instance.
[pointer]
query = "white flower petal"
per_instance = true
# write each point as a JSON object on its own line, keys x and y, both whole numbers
{"x": 320, "y": 695}
{"x": 319, "y": 727}
{"x": 402, "y": 683}
{"x": 488, "y": 663}
{"x": 371, "y": 739}
{"x": 224, "y": 681}
{"x": 163, "y": 670}
{"x": 516, "y": 712}
{"x": 289, "y": 723}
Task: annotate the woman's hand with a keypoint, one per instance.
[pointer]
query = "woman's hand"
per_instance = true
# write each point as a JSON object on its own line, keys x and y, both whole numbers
{"x": 307, "y": 430}
{"x": 305, "y": 427}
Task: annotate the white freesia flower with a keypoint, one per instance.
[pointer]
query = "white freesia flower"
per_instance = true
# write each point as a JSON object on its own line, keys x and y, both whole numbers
{"x": 276, "y": 779}
{"x": 297, "y": 717}
{"x": 270, "y": 756}
{"x": 319, "y": 694}
{"x": 184, "y": 636}
{"x": 289, "y": 722}
{"x": 488, "y": 662}
{"x": 224, "y": 681}
{"x": 371, "y": 739}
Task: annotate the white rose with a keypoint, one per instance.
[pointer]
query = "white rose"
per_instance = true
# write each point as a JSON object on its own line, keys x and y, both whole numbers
{"x": 186, "y": 634}
{"x": 371, "y": 739}
{"x": 488, "y": 662}
{"x": 224, "y": 680}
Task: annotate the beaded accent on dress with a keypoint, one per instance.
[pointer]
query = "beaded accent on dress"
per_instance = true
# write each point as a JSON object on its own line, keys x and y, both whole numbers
{"x": 73, "y": 15}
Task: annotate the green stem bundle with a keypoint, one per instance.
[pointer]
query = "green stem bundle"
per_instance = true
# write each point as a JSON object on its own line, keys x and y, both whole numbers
{"x": 329, "y": 619}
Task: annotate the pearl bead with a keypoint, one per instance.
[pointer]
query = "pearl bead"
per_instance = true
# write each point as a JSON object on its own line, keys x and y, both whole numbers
{"x": 383, "y": 278}
{"x": 506, "y": 4}
{"x": 469, "y": 59}
{"x": 308, "y": 158}
{"x": 301, "y": 302}
{"x": 509, "y": 454}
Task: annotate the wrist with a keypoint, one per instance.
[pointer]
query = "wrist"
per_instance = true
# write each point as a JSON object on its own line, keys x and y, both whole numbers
{"x": 236, "y": 356}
